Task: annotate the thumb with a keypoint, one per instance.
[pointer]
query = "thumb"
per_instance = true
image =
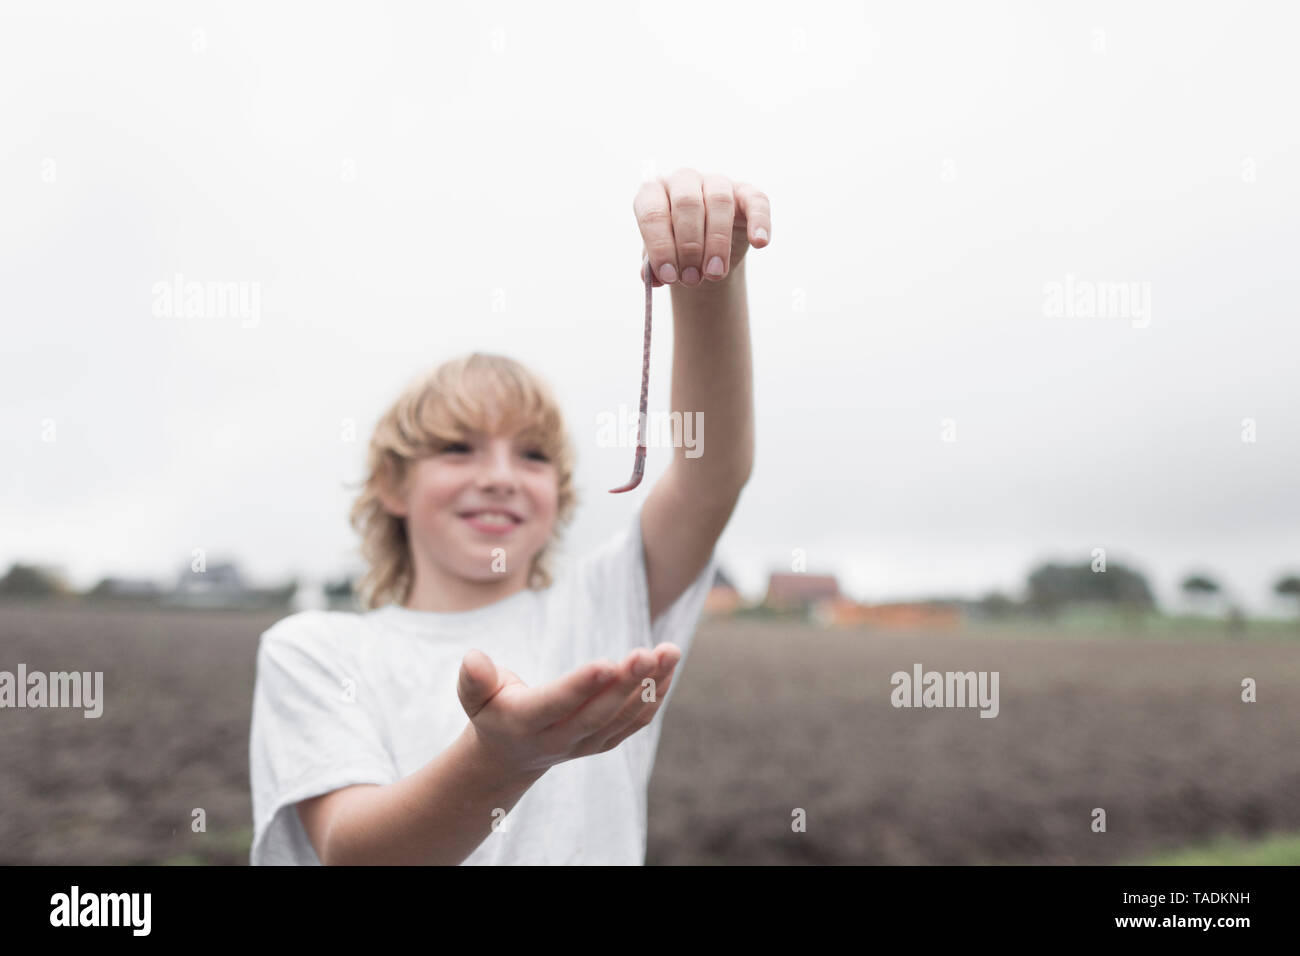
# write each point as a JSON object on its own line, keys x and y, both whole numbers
{"x": 478, "y": 682}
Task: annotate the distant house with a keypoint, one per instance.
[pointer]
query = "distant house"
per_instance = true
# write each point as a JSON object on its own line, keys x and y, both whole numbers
{"x": 792, "y": 591}
{"x": 126, "y": 588}
{"x": 221, "y": 585}
{"x": 723, "y": 598}
{"x": 904, "y": 616}
{"x": 217, "y": 581}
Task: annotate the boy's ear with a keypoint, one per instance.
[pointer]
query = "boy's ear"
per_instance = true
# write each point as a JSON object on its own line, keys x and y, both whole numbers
{"x": 388, "y": 495}
{"x": 394, "y": 506}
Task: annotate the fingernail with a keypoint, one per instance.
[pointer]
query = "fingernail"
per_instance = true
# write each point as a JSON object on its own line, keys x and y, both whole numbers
{"x": 667, "y": 273}
{"x": 691, "y": 275}
{"x": 760, "y": 233}
{"x": 715, "y": 266}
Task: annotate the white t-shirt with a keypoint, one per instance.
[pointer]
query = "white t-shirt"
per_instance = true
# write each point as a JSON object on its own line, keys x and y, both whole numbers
{"x": 345, "y": 698}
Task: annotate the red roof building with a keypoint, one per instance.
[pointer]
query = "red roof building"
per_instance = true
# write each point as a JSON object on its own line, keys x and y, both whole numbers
{"x": 793, "y": 590}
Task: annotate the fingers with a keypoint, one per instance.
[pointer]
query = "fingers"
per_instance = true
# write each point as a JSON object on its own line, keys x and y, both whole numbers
{"x": 477, "y": 683}
{"x": 628, "y": 731}
{"x": 667, "y": 655}
{"x": 694, "y": 225}
{"x": 654, "y": 219}
{"x": 720, "y": 213}
{"x": 753, "y": 205}
{"x": 645, "y": 716}
{"x": 686, "y": 200}
{"x": 600, "y": 709}
{"x": 637, "y": 711}
{"x": 559, "y": 699}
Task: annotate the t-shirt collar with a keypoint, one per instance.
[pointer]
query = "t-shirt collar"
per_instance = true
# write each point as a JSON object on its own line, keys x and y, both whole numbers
{"x": 433, "y": 621}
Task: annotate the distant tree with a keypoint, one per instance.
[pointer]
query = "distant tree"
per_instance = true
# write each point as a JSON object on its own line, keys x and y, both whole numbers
{"x": 1199, "y": 590}
{"x": 1198, "y": 584}
{"x": 340, "y": 589}
{"x": 103, "y": 588}
{"x": 1288, "y": 587}
{"x": 123, "y": 589}
{"x": 26, "y": 580}
{"x": 995, "y": 604}
{"x": 1053, "y": 586}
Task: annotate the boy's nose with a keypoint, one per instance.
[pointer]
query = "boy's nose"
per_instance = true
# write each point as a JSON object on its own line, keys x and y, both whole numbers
{"x": 498, "y": 466}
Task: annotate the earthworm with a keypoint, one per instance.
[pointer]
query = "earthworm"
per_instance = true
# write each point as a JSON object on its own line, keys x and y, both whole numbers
{"x": 638, "y": 468}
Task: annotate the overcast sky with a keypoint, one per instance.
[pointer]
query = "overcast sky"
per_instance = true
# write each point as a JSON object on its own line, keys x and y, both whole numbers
{"x": 404, "y": 184}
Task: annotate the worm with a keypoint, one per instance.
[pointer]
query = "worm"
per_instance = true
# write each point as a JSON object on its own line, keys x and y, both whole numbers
{"x": 638, "y": 467}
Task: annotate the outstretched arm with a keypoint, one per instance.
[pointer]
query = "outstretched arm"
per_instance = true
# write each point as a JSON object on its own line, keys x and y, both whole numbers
{"x": 442, "y": 812}
{"x": 697, "y": 229}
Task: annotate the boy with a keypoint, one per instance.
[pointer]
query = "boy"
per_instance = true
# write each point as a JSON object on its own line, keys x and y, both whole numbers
{"x": 360, "y": 754}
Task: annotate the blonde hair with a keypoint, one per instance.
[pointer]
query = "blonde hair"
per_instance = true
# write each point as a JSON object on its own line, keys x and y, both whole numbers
{"x": 481, "y": 392}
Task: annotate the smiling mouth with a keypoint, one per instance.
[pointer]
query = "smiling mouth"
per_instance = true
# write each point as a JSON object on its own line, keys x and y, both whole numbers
{"x": 492, "y": 520}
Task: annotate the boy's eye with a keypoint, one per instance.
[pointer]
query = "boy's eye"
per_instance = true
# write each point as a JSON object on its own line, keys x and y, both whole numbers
{"x": 460, "y": 447}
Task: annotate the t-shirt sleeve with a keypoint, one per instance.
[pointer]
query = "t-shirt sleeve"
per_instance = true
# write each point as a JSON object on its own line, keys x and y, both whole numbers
{"x": 616, "y": 582}
{"x": 312, "y": 731}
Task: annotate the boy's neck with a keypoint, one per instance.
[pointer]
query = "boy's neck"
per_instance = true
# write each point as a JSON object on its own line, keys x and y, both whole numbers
{"x": 450, "y": 596}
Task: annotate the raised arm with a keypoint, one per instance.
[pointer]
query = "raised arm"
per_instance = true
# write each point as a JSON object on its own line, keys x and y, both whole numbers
{"x": 697, "y": 229}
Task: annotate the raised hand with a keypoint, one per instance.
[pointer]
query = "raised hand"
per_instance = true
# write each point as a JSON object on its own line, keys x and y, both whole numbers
{"x": 697, "y": 227}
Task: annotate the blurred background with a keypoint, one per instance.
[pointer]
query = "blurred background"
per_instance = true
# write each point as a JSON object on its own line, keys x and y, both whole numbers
{"x": 1024, "y": 349}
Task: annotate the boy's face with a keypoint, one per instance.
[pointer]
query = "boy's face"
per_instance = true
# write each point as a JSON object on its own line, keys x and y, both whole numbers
{"x": 473, "y": 497}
